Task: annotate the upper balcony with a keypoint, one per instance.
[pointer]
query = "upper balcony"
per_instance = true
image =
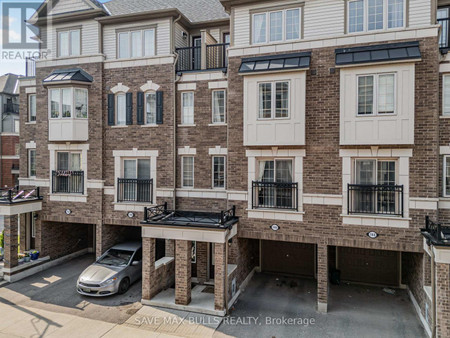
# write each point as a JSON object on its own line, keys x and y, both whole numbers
{"x": 11, "y": 108}
{"x": 436, "y": 233}
{"x": 275, "y": 195}
{"x": 204, "y": 57}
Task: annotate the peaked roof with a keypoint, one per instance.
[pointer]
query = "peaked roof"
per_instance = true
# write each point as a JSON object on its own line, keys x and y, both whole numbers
{"x": 9, "y": 84}
{"x": 194, "y": 10}
{"x": 72, "y": 74}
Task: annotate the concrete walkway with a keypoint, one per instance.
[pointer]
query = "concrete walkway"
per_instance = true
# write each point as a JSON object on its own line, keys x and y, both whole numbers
{"x": 27, "y": 322}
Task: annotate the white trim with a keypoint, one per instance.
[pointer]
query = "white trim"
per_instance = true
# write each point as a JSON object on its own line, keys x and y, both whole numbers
{"x": 375, "y": 152}
{"x": 10, "y": 157}
{"x": 164, "y": 192}
{"x": 120, "y": 88}
{"x": 237, "y": 195}
{"x": 141, "y": 62}
{"x": 71, "y": 60}
{"x": 150, "y": 86}
{"x": 68, "y": 198}
{"x": 444, "y": 150}
{"x": 203, "y": 76}
{"x": 30, "y": 90}
{"x": 135, "y": 153}
{"x": 109, "y": 191}
{"x": 423, "y": 203}
{"x": 95, "y": 184}
{"x": 163, "y": 261}
{"x": 187, "y": 86}
{"x": 27, "y": 81}
{"x": 202, "y": 193}
{"x": 218, "y": 85}
{"x": 444, "y": 68}
{"x": 187, "y": 150}
{"x": 322, "y": 199}
{"x": 375, "y": 220}
{"x": 275, "y": 214}
{"x": 30, "y": 145}
{"x": 21, "y": 208}
{"x": 218, "y": 150}
{"x": 136, "y": 207}
{"x": 419, "y": 312}
{"x": 441, "y": 255}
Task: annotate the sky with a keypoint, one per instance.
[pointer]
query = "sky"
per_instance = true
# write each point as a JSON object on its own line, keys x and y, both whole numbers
{"x": 13, "y": 60}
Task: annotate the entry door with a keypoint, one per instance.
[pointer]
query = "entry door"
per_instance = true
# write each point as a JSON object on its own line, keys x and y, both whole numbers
{"x": 197, "y": 55}
{"x": 211, "y": 260}
{"x": 32, "y": 223}
{"x": 194, "y": 260}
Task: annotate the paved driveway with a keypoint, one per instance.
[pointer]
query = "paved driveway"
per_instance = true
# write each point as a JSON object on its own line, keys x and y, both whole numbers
{"x": 274, "y": 306}
{"x": 54, "y": 290}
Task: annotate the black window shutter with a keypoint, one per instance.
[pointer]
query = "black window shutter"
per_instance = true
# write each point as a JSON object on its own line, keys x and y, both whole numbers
{"x": 159, "y": 107}
{"x": 111, "y": 112}
{"x": 140, "y": 108}
{"x": 129, "y": 108}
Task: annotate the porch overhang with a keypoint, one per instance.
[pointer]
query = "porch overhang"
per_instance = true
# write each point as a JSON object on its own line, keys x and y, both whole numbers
{"x": 16, "y": 201}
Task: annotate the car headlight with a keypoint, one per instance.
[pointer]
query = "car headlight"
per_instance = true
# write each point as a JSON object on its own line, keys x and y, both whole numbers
{"x": 109, "y": 281}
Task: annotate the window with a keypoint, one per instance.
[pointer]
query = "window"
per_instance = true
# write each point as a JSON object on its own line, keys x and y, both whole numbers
{"x": 446, "y": 179}
{"x": 135, "y": 184}
{"x": 279, "y": 25}
{"x": 273, "y": 100}
{"x": 69, "y": 43}
{"x": 33, "y": 225}
{"x": 68, "y": 161}
{"x": 376, "y": 94}
{"x": 443, "y": 20}
{"x": 32, "y": 108}
{"x": 187, "y": 102}
{"x": 32, "y": 163}
{"x": 446, "y": 95}
{"x": 17, "y": 126}
{"x": 136, "y": 43}
{"x": 219, "y": 106}
{"x": 219, "y": 172}
{"x": 368, "y": 15}
{"x": 150, "y": 108}
{"x": 121, "y": 110}
{"x": 68, "y": 177}
{"x": 187, "y": 163}
{"x": 136, "y": 169}
{"x": 65, "y": 101}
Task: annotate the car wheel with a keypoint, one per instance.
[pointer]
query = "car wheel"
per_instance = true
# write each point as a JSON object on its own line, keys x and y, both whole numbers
{"x": 124, "y": 286}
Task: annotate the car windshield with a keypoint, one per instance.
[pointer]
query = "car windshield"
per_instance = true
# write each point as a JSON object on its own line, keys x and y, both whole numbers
{"x": 114, "y": 257}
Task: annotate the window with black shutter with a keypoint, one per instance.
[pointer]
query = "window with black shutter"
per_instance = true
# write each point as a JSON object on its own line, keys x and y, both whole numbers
{"x": 140, "y": 108}
{"x": 111, "y": 112}
{"x": 129, "y": 108}
{"x": 159, "y": 107}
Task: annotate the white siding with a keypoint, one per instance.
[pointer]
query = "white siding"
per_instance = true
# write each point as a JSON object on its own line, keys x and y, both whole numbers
{"x": 64, "y": 6}
{"x": 89, "y": 36}
{"x": 179, "y": 41}
{"x": 419, "y": 13}
{"x": 395, "y": 128}
{"x": 162, "y": 36}
{"x": 323, "y": 18}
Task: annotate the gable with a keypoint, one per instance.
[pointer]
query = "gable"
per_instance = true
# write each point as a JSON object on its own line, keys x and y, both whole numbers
{"x": 67, "y": 6}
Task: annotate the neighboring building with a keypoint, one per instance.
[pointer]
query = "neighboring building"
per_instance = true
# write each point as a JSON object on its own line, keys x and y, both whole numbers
{"x": 293, "y": 137}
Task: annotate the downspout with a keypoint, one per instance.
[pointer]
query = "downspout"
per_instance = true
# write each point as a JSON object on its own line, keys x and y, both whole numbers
{"x": 433, "y": 294}
{"x": 174, "y": 199}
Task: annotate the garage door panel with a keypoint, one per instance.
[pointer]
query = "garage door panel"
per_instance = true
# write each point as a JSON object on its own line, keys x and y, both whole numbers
{"x": 369, "y": 266}
{"x": 288, "y": 258}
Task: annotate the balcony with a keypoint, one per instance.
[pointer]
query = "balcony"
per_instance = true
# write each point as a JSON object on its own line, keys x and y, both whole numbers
{"x": 14, "y": 201}
{"x": 67, "y": 182}
{"x": 436, "y": 233}
{"x": 205, "y": 57}
{"x": 134, "y": 190}
{"x": 11, "y": 108}
{"x": 375, "y": 199}
{"x": 275, "y": 195}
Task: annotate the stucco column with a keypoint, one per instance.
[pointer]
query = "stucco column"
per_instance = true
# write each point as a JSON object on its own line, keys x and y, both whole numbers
{"x": 322, "y": 277}
{"x": 202, "y": 262}
{"x": 183, "y": 271}
{"x": 148, "y": 267}
{"x": 11, "y": 257}
{"x": 219, "y": 276}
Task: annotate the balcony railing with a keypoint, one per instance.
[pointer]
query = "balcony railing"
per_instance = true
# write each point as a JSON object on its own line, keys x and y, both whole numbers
{"x": 30, "y": 67}
{"x": 68, "y": 182}
{"x": 436, "y": 233}
{"x": 134, "y": 190}
{"x": 375, "y": 199}
{"x": 11, "y": 108}
{"x": 274, "y": 195}
{"x": 445, "y": 31}
{"x": 191, "y": 58}
{"x": 17, "y": 195}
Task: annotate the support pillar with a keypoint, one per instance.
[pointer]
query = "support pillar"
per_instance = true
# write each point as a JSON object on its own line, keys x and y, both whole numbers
{"x": 220, "y": 271}
{"x": 183, "y": 253}
{"x": 202, "y": 262}
{"x": 443, "y": 299}
{"x": 11, "y": 257}
{"x": 322, "y": 277}
{"x": 148, "y": 268}
{"x": 98, "y": 239}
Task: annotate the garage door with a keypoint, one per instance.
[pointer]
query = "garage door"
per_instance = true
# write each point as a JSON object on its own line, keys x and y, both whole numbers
{"x": 288, "y": 258}
{"x": 369, "y": 266}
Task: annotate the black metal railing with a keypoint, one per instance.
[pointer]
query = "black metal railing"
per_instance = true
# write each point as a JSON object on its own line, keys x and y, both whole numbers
{"x": 17, "y": 195}
{"x": 68, "y": 182}
{"x": 15, "y": 167}
{"x": 11, "y": 108}
{"x": 275, "y": 195}
{"x": 134, "y": 190}
{"x": 436, "y": 232}
{"x": 30, "y": 67}
{"x": 189, "y": 58}
{"x": 216, "y": 56}
{"x": 375, "y": 199}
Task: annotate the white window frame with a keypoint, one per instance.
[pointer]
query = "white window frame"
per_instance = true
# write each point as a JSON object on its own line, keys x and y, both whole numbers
{"x": 275, "y": 160}
{"x": 377, "y": 160}
{"x": 16, "y": 126}
{"x": 366, "y": 17}
{"x": 117, "y": 108}
{"x": 33, "y": 226}
{"x": 72, "y": 114}
{"x": 29, "y": 162}
{"x": 183, "y": 107}
{"x": 70, "y": 152}
{"x": 283, "y": 25}
{"x": 444, "y": 112}
{"x": 444, "y": 176}
{"x": 274, "y": 101}
{"x": 123, "y": 159}
{"x": 375, "y": 94}
{"x": 224, "y": 105}
{"x": 224, "y": 172}
{"x": 145, "y": 107}
{"x": 129, "y": 32}
{"x": 69, "y": 31}
{"x": 29, "y": 108}
{"x": 182, "y": 172}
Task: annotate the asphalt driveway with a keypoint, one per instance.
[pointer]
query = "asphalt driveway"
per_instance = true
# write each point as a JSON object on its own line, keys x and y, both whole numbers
{"x": 54, "y": 290}
{"x": 274, "y": 306}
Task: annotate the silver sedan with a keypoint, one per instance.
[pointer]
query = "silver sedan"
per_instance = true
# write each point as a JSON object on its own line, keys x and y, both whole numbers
{"x": 113, "y": 272}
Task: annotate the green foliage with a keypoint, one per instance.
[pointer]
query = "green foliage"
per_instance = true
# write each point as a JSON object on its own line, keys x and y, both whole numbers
{"x": 2, "y": 239}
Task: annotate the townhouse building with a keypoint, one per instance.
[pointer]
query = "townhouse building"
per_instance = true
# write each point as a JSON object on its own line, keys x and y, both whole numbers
{"x": 238, "y": 136}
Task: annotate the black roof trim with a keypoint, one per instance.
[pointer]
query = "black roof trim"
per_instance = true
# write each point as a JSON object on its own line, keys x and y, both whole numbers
{"x": 378, "y": 53}
{"x": 275, "y": 62}
{"x": 72, "y": 74}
